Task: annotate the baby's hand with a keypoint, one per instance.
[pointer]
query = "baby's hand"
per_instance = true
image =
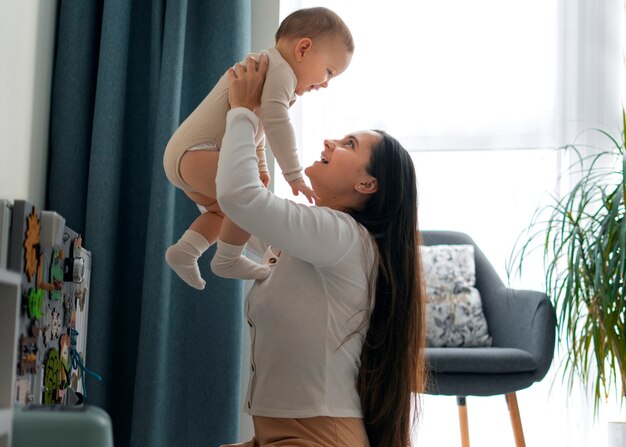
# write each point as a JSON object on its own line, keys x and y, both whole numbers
{"x": 265, "y": 178}
{"x": 298, "y": 186}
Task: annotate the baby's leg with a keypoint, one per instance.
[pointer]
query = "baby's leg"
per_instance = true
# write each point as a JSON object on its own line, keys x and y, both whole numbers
{"x": 195, "y": 175}
{"x": 198, "y": 169}
{"x": 183, "y": 256}
{"x": 229, "y": 261}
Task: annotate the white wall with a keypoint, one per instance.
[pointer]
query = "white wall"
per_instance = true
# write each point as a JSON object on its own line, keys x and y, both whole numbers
{"x": 27, "y": 30}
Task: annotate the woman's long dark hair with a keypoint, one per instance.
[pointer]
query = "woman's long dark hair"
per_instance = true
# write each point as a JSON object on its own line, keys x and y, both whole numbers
{"x": 392, "y": 358}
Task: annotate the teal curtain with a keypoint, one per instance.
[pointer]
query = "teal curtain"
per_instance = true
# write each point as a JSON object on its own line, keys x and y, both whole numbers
{"x": 126, "y": 73}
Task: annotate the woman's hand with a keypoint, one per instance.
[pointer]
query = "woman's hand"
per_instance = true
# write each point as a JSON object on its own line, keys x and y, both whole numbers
{"x": 245, "y": 83}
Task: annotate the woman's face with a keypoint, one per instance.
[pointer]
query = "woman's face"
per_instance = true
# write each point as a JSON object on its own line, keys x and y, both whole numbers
{"x": 340, "y": 178}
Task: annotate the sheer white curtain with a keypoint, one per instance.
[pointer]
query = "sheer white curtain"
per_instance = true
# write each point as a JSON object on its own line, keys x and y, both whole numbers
{"x": 456, "y": 82}
{"x": 482, "y": 93}
{"x": 446, "y": 74}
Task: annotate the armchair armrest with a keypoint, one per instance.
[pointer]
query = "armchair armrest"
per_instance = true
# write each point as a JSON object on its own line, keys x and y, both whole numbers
{"x": 522, "y": 319}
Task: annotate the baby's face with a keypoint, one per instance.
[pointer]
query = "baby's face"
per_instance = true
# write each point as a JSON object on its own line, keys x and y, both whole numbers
{"x": 326, "y": 59}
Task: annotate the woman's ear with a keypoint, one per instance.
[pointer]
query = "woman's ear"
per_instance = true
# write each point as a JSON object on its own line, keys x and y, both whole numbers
{"x": 367, "y": 187}
{"x": 302, "y": 47}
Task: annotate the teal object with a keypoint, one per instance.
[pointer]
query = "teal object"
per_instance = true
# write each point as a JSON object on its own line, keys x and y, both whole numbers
{"x": 54, "y": 426}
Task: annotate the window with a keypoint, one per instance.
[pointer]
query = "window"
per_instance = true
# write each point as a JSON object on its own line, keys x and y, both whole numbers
{"x": 456, "y": 82}
{"x": 444, "y": 74}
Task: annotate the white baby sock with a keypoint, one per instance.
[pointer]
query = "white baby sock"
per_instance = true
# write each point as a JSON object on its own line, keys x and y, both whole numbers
{"x": 183, "y": 256}
{"x": 229, "y": 262}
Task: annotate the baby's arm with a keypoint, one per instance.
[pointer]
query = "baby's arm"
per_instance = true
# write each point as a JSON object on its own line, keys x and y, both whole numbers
{"x": 264, "y": 173}
{"x": 274, "y": 112}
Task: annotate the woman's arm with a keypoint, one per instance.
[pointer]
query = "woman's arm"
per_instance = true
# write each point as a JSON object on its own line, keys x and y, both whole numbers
{"x": 320, "y": 236}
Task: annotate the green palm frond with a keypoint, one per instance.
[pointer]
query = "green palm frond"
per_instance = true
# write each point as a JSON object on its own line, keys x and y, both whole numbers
{"x": 582, "y": 236}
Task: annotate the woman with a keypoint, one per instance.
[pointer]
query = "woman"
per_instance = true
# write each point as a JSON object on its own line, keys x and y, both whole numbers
{"x": 337, "y": 328}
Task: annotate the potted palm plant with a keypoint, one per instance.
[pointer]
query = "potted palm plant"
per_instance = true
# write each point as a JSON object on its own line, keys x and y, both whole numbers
{"x": 582, "y": 237}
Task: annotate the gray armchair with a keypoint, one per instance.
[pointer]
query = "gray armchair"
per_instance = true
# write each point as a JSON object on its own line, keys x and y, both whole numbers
{"x": 522, "y": 325}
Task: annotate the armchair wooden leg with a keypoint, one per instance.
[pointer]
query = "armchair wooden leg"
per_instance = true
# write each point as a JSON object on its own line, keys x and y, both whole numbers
{"x": 516, "y": 421}
{"x": 460, "y": 401}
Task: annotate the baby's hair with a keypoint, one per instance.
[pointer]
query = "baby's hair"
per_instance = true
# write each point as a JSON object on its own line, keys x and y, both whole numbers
{"x": 314, "y": 23}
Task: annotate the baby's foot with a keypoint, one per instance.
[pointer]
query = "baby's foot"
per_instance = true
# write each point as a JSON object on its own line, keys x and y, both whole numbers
{"x": 183, "y": 256}
{"x": 229, "y": 262}
{"x": 242, "y": 268}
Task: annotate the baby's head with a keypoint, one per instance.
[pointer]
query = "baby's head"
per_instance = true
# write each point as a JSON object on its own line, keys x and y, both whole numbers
{"x": 317, "y": 44}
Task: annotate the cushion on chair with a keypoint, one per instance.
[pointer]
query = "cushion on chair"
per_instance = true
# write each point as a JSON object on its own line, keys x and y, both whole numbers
{"x": 454, "y": 314}
{"x": 479, "y": 360}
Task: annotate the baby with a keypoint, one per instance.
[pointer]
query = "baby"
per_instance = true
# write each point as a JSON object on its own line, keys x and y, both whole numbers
{"x": 313, "y": 45}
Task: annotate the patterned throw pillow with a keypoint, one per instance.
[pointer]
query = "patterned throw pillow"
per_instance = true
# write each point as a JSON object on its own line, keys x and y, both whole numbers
{"x": 454, "y": 311}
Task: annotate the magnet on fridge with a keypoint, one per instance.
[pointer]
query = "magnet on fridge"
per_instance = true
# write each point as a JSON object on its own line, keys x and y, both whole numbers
{"x": 74, "y": 270}
{"x": 52, "y": 377}
{"x": 56, "y": 277}
{"x": 28, "y": 355}
{"x": 22, "y": 391}
{"x": 31, "y": 244}
{"x": 35, "y": 303}
{"x": 52, "y": 226}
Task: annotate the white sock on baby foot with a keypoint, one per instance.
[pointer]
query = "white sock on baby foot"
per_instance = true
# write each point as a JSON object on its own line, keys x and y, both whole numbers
{"x": 229, "y": 262}
{"x": 183, "y": 256}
